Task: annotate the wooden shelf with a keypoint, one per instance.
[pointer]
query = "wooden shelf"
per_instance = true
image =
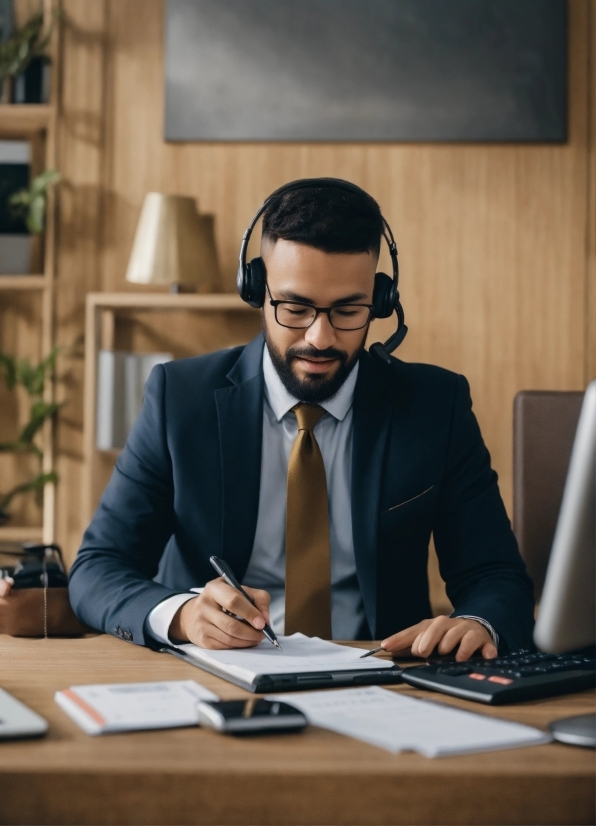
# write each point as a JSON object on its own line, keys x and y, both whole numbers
{"x": 14, "y": 534}
{"x": 25, "y": 118}
{"x": 167, "y": 301}
{"x": 22, "y": 282}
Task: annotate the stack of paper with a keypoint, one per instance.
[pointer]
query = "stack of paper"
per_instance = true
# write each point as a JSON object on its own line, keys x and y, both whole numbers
{"x": 100, "y": 709}
{"x": 301, "y": 655}
{"x": 391, "y": 721}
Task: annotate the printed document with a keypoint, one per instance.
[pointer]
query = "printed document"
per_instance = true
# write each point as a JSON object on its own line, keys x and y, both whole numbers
{"x": 300, "y": 655}
{"x": 100, "y": 709}
{"x": 391, "y": 721}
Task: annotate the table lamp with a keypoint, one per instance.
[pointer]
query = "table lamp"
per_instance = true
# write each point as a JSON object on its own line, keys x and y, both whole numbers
{"x": 174, "y": 245}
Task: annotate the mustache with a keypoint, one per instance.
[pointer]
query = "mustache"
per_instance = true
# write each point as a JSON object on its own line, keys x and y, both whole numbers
{"x": 312, "y": 352}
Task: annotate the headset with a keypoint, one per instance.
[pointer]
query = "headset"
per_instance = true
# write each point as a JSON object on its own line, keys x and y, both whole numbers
{"x": 252, "y": 276}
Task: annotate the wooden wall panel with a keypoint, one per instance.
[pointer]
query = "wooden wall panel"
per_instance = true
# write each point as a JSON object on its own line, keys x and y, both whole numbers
{"x": 492, "y": 238}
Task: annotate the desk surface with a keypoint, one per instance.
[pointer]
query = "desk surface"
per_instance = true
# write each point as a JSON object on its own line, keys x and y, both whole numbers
{"x": 197, "y": 776}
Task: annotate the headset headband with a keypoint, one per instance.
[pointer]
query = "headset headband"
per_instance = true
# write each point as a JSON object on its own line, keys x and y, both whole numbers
{"x": 320, "y": 183}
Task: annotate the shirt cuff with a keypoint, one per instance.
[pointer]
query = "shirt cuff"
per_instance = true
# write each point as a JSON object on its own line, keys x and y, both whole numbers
{"x": 160, "y": 618}
{"x": 487, "y": 625}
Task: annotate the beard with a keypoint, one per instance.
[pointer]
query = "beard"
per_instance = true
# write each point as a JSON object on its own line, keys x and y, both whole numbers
{"x": 315, "y": 388}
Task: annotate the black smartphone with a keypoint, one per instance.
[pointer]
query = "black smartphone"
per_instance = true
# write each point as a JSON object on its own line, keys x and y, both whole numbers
{"x": 252, "y": 716}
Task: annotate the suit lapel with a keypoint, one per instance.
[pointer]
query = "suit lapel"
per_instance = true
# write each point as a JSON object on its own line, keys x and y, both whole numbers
{"x": 372, "y": 408}
{"x": 240, "y": 423}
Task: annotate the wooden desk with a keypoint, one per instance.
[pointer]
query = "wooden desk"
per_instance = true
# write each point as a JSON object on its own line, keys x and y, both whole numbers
{"x": 317, "y": 777}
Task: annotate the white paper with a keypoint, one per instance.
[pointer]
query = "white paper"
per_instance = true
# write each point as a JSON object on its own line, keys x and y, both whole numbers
{"x": 300, "y": 655}
{"x": 127, "y": 706}
{"x": 391, "y": 721}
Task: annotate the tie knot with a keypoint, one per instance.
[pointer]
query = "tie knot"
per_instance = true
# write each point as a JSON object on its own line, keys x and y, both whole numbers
{"x": 307, "y": 415}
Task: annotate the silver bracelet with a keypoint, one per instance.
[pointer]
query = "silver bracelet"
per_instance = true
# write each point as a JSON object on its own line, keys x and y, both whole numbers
{"x": 486, "y": 624}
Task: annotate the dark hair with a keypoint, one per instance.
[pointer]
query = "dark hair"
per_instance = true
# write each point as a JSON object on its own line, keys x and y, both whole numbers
{"x": 331, "y": 220}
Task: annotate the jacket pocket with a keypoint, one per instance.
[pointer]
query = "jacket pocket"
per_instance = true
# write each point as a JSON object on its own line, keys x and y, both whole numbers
{"x": 407, "y": 501}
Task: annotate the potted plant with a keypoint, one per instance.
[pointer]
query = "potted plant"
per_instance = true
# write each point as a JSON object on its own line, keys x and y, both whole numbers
{"x": 27, "y": 212}
{"x": 21, "y": 373}
{"x": 23, "y": 61}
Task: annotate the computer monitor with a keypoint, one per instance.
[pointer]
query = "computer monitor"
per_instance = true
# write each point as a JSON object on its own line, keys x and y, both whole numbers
{"x": 567, "y": 615}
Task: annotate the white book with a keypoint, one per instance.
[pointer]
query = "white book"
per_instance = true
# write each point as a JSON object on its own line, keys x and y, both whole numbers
{"x": 301, "y": 656}
{"x": 121, "y": 378}
{"x": 103, "y": 709}
{"x": 396, "y": 723}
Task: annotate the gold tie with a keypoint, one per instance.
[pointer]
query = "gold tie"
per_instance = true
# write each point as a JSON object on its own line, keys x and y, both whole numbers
{"x": 308, "y": 567}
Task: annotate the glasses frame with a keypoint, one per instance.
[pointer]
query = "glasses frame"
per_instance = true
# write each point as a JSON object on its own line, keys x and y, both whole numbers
{"x": 327, "y": 310}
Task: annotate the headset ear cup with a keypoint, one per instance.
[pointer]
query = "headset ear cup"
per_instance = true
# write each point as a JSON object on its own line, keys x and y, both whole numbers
{"x": 384, "y": 296}
{"x": 254, "y": 283}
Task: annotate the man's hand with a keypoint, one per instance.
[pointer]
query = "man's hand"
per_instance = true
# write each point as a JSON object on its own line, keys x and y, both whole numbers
{"x": 204, "y": 620}
{"x": 444, "y": 634}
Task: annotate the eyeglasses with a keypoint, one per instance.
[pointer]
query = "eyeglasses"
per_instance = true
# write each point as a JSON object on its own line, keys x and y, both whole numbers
{"x": 298, "y": 315}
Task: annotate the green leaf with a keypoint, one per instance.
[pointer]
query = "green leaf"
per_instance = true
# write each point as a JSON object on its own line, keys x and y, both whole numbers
{"x": 40, "y": 411}
{"x": 8, "y": 366}
{"x": 37, "y": 484}
{"x": 31, "y": 203}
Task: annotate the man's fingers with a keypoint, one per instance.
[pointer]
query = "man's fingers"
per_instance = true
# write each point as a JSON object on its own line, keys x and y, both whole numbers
{"x": 415, "y": 645}
{"x": 5, "y": 586}
{"x": 432, "y": 636}
{"x": 489, "y": 651}
{"x": 262, "y": 600}
{"x": 404, "y": 639}
{"x": 233, "y": 628}
{"x": 452, "y": 637}
{"x": 471, "y": 642}
{"x": 233, "y": 601}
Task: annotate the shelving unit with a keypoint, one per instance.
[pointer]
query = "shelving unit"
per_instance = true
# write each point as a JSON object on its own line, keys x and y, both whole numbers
{"x": 37, "y": 123}
{"x": 100, "y": 323}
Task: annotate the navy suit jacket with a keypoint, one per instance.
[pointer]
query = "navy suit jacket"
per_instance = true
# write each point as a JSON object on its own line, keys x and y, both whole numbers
{"x": 186, "y": 486}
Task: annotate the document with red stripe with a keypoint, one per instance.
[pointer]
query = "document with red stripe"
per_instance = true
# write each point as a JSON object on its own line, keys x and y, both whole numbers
{"x": 103, "y": 709}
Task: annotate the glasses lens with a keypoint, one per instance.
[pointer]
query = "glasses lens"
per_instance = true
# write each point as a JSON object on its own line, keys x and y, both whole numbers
{"x": 294, "y": 315}
{"x": 350, "y": 316}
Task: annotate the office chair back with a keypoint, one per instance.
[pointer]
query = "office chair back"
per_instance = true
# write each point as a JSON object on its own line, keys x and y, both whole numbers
{"x": 544, "y": 424}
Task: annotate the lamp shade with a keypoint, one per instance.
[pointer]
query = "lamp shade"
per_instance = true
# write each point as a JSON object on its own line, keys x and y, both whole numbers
{"x": 174, "y": 244}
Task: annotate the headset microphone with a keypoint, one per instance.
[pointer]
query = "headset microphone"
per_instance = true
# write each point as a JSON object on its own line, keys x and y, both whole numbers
{"x": 252, "y": 276}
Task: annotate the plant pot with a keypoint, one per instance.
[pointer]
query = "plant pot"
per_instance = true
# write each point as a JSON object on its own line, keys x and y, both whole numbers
{"x": 16, "y": 253}
{"x": 33, "y": 85}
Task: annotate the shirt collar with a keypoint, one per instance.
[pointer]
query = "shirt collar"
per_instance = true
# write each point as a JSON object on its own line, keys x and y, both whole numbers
{"x": 281, "y": 401}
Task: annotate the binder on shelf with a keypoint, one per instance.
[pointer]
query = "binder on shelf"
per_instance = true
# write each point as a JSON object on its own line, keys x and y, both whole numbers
{"x": 121, "y": 378}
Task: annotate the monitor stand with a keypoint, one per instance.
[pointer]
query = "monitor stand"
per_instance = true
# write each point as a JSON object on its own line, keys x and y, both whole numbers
{"x": 575, "y": 731}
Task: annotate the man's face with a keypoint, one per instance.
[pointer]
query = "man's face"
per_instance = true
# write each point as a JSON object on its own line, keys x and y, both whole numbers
{"x": 314, "y": 362}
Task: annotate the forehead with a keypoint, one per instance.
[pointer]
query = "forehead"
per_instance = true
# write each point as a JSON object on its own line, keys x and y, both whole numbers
{"x": 316, "y": 275}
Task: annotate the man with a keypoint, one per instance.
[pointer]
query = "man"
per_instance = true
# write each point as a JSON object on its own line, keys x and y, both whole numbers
{"x": 318, "y": 472}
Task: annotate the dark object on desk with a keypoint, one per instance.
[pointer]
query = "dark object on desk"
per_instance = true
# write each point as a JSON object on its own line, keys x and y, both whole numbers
{"x": 38, "y": 603}
{"x": 252, "y": 716}
{"x": 519, "y": 676}
{"x": 544, "y": 424}
{"x": 39, "y": 566}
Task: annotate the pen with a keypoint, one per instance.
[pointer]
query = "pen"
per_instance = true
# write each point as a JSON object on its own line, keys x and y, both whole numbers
{"x": 226, "y": 573}
{"x": 374, "y": 651}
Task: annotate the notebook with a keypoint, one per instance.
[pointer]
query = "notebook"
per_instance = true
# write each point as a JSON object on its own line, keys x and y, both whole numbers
{"x": 104, "y": 709}
{"x": 306, "y": 662}
{"x": 396, "y": 723}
